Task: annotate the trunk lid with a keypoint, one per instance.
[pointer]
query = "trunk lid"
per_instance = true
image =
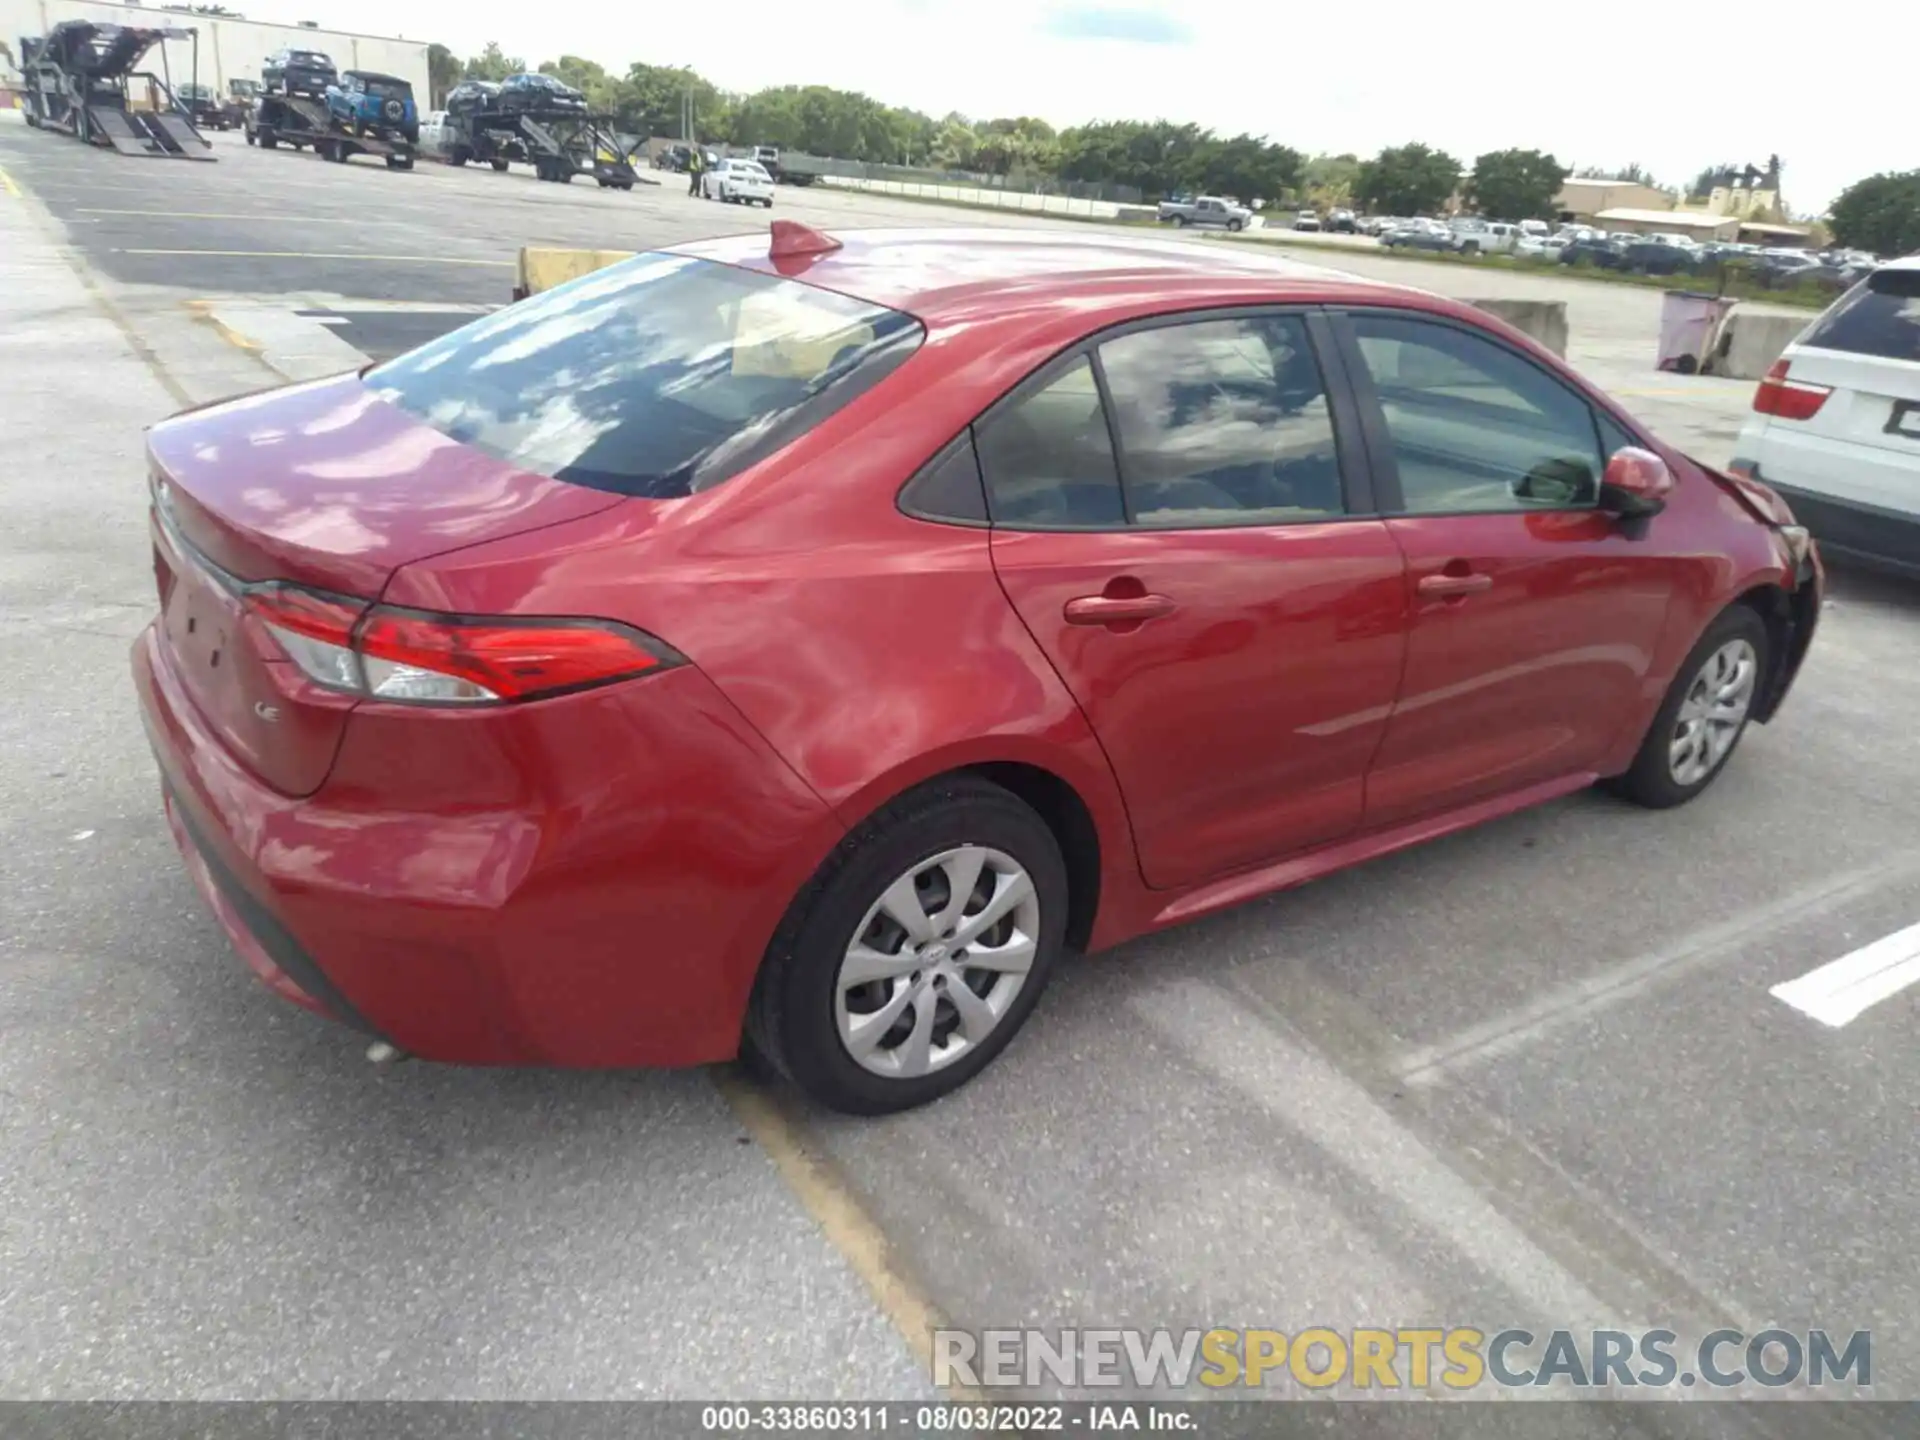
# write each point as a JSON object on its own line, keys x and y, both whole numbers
{"x": 325, "y": 486}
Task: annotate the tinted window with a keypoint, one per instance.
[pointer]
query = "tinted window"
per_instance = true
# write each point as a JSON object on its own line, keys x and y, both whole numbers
{"x": 1048, "y": 458}
{"x": 949, "y": 488}
{"x": 1878, "y": 317}
{"x": 1473, "y": 426}
{"x": 659, "y": 376}
{"x": 1223, "y": 422}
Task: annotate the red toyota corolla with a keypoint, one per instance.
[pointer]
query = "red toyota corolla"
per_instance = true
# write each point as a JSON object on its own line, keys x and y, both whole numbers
{"x": 801, "y": 645}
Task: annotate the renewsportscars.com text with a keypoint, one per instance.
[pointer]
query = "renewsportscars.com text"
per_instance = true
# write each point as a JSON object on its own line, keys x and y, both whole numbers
{"x": 1410, "y": 1359}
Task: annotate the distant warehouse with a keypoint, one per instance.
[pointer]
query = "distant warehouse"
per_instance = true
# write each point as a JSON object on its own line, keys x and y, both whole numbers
{"x": 229, "y": 48}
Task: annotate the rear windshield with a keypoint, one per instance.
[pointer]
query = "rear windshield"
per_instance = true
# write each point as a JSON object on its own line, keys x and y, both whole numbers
{"x": 1879, "y": 317}
{"x": 657, "y": 377}
{"x": 310, "y": 57}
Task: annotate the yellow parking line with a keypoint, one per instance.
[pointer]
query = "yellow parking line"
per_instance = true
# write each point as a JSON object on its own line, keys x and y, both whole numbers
{"x": 6, "y": 183}
{"x": 839, "y": 1214}
{"x": 326, "y": 255}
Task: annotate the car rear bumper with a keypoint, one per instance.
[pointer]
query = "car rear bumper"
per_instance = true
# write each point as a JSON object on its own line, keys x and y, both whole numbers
{"x": 1839, "y": 490}
{"x": 587, "y": 881}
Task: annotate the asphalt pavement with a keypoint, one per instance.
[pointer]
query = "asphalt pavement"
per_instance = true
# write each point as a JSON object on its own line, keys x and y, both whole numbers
{"x": 1532, "y": 1074}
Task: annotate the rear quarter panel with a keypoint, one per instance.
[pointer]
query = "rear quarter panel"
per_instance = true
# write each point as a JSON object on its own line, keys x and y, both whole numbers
{"x": 872, "y": 650}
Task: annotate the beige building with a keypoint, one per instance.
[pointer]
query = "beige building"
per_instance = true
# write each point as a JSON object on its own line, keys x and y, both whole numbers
{"x": 1695, "y": 224}
{"x": 1581, "y": 201}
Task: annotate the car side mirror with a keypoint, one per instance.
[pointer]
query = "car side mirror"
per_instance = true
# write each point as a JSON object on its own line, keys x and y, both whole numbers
{"x": 1636, "y": 484}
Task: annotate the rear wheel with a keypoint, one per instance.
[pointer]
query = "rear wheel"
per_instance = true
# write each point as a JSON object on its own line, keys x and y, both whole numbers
{"x": 915, "y": 954}
{"x": 1704, "y": 715}
{"x": 498, "y": 164}
{"x": 459, "y": 155}
{"x": 269, "y": 140}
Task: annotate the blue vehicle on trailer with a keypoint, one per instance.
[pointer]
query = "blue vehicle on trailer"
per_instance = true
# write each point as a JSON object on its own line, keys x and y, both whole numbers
{"x": 364, "y": 102}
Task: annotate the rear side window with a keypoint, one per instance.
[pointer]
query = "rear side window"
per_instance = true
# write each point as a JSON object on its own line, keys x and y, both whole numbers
{"x": 1048, "y": 457}
{"x": 1223, "y": 422}
{"x": 658, "y": 377}
{"x": 1879, "y": 317}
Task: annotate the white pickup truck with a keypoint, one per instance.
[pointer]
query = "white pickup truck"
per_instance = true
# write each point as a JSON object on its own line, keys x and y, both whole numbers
{"x": 1206, "y": 210}
{"x": 1484, "y": 237}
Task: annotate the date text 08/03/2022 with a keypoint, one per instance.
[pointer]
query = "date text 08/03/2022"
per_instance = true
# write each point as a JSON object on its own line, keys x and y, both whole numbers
{"x": 934, "y": 1418}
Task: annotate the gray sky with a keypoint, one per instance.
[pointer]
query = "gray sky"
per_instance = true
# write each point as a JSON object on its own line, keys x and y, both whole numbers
{"x": 1673, "y": 84}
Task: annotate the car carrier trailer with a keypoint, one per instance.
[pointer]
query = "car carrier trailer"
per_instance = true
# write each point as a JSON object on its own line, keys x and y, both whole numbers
{"x": 79, "y": 82}
{"x": 559, "y": 143}
{"x": 301, "y": 123}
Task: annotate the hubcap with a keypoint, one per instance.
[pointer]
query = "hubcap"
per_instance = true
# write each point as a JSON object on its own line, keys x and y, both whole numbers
{"x": 1713, "y": 712}
{"x": 937, "y": 962}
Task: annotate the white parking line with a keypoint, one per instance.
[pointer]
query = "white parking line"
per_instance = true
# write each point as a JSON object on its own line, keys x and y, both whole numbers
{"x": 1843, "y": 989}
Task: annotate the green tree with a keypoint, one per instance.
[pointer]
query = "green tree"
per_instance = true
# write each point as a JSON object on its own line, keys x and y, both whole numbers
{"x": 1249, "y": 167}
{"x": 1516, "y": 184}
{"x": 1407, "y": 180}
{"x": 1880, "y": 213}
{"x": 491, "y": 64}
{"x": 651, "y": 100}
{"x": 443, "y": 73}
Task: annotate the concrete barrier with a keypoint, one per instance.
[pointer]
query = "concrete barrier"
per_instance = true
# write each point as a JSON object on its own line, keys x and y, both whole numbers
{"x": 1543, "y": 320}
{"x": 542, "y": 268}
{"x": 1752, "y": 341}
{"x": 987, "y": 199}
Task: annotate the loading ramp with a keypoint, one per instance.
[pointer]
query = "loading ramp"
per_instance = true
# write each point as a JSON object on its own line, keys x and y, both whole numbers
{"x": 559, "y": 143}
{"x": 79, "y": 81}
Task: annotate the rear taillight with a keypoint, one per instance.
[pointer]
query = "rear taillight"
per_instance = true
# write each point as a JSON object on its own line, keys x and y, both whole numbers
{"x": 418, "y": 657}
{"x": 1789, "y": 399}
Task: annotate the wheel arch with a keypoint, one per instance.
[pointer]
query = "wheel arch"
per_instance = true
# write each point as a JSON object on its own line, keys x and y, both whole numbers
{"x": 1789, "y": 616}
{"x": 1076, "y": 800}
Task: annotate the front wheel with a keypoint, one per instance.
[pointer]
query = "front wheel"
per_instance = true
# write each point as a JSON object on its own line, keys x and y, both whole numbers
{"x": 1704, "y": 715}
{"x": 499, "y": 165}
{"x": 911, "y": 959}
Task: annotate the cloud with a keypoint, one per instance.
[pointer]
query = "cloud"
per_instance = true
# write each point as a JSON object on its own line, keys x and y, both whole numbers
{"x": 1099, "y": 22}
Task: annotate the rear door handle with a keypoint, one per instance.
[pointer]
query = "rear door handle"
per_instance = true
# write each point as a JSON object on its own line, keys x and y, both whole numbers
{"x": 1117, "y": 609}
{"x": 1451, "y": 585}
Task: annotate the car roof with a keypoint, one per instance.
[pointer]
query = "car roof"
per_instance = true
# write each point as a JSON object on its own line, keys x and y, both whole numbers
{"x": 947, "y": 273}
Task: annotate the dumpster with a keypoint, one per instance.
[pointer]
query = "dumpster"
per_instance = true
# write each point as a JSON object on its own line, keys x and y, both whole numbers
{"x": 1690, "y": 324}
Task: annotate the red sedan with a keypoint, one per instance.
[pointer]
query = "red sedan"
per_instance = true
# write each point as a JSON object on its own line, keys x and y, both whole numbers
{"x": 800, "y": 646}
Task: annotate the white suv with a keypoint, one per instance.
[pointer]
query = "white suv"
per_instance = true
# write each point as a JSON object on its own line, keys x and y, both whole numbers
{"x": 739, "y": 182}
{"x": 1836, "y": 422}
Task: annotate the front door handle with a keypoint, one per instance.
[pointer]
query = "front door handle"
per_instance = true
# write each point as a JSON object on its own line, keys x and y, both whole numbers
{"x": 1448, "y": 586}
{"x": 1117, "y": 609}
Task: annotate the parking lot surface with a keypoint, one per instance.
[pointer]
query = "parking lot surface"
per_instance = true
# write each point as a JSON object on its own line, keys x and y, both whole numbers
{"x": 1529, "y": 1075}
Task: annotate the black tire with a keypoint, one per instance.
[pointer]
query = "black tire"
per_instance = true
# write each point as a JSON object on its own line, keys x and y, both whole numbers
{"x": 399, "y": 162}
{"x": 498, "y": 164}
{"x": 269, "y": 140}
{"x": 459, "y": 155}
{"x": 790, "y": 1019}
{"x": 1650, "y": 781}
